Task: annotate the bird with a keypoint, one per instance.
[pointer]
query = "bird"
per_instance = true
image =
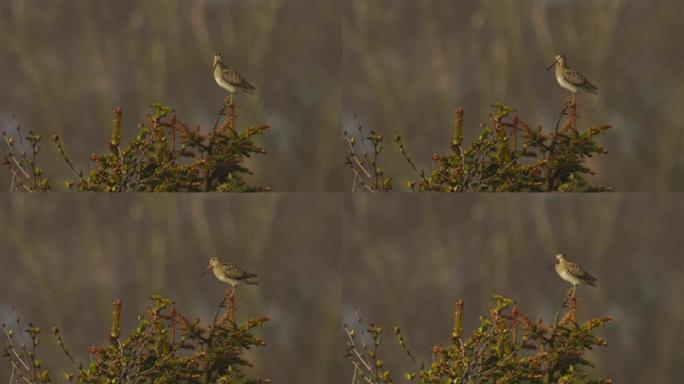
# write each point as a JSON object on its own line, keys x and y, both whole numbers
{"x": 231, "y": 274}
{"x": 573, "y": 273}
{"x": 569, "y": 78}
{"x": 229, "y": 79}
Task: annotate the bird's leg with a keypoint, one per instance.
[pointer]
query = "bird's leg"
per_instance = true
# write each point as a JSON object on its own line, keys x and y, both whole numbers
{"x": 567, "y": 297}
{"x": 574, "y": 287}
{"x": 572, "y": 312}
{"x": 229, "y": 295}
{"x": 231, "y": 118}
{"x": 231, "y": 307}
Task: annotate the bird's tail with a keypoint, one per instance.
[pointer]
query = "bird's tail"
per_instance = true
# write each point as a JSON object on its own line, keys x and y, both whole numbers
{"x": 248, "y": 88}
{"x": 590, "y": 280}
{"x": 252, "y": 279}
{"x": 591, "y": 88}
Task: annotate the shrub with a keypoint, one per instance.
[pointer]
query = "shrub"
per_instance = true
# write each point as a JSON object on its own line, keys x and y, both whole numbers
{"x": 165, "y": 156}
{"x": 507, "y": 156}
{"x": 164, "y": 347}
{"x": 507, "y": 347}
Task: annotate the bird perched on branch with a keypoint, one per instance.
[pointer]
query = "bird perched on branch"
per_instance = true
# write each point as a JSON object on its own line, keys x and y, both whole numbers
{"x": 569, "y": 78}
{"x": 573, "y": 273}
{"x": 231, "y": 274}
{"x": 229, "y": 79}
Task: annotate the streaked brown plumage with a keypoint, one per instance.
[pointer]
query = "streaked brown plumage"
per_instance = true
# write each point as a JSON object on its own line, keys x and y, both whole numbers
{"x": 229, "y": 79}
{"x": 231, "y": 274}
{"x": 569, "y": 78}
{"x": 573, "y": 273}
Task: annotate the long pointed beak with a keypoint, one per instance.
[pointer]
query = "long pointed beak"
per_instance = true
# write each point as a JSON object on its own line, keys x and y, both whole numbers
{"x": 551, "y": 66}
{"x": 550, "y": 267}
{"x": 205, "y": 271}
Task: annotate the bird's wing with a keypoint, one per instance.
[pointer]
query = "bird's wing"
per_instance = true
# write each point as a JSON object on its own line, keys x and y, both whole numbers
{"x": 574, "y": 77}
{"x": 232, "y": 77}
{"x": 237, "y": 80}
{"x": 235, "y": 272}
{"x": 576, "y": 270}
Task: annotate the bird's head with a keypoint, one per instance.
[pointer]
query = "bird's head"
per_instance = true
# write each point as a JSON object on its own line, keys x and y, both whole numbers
{"x": 559, "y": 257}
{"x": 212, "y": 262}
{"x": 559, "y": 58}
{"x": 218, "y": 59}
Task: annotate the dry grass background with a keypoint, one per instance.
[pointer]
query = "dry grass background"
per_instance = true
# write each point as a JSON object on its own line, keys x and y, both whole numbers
{"x": 65, "y": 66}
{"x": 408, "y": 258}
{"x": 407, "y": 64}
{"x": 65, "y": 258}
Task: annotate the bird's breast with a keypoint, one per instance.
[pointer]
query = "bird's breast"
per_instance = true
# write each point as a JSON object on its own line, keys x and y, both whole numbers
{"x": 564, "y": 83}
{"x": 218, "y": 76}
{"x": 567, "y": 276}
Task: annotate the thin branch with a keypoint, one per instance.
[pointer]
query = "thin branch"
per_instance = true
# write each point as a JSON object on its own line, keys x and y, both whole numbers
{"x": 402, "y": 149}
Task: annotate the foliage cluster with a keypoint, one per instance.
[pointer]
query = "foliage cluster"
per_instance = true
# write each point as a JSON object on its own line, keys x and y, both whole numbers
{"x": 164, "y": 347}
{"x": 507, "y": 347}
{"x": 165, "y": 156}
{"x": 507, "y": 156}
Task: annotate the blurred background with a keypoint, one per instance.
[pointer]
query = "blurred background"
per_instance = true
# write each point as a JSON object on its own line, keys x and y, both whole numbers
{"x": 407, "y": 64}
{"x": 408, "y": 258}
{"x": 65, "y": 66}
{"x": 64, "y": 259}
